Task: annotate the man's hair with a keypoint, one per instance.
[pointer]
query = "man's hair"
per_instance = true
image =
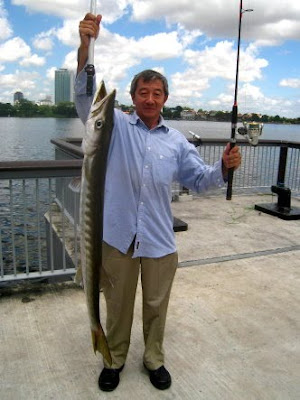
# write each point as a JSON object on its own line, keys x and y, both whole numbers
{"x": 148, "y": 75}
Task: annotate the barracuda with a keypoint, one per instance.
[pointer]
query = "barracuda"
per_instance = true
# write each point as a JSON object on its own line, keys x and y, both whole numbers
{"x": 95, "y": 147}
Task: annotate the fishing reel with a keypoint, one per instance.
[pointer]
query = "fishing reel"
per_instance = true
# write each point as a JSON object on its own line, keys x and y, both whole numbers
{"x": 251, "y": 131}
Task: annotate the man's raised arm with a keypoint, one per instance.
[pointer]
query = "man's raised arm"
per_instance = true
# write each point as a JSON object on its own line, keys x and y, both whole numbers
{"x": 88, "y": 27}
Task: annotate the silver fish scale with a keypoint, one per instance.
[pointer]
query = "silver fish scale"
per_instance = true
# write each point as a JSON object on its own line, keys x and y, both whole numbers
{"x": 97, "y": 142}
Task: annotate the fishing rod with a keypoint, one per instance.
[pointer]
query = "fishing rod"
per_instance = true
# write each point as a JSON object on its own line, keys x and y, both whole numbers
{"x": 234, "y": 114}
{"x": 90, "y": 68}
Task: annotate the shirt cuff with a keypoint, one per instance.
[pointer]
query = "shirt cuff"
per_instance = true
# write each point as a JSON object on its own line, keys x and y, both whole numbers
{"x": 219, "y": 177}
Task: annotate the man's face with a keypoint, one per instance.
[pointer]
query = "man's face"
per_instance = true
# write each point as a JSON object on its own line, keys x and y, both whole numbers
{"x": 149, "y": 99}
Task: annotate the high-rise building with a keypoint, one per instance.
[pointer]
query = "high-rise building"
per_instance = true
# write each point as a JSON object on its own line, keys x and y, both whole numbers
{"x": 64, "y": 85}
{"x": 18, "y": 96}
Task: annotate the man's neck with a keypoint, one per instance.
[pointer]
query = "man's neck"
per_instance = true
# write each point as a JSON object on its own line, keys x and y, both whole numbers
{"x": 151, "y": 124}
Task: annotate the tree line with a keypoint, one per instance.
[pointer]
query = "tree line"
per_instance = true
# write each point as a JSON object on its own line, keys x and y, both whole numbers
{"x": 26, "y": 108}
{"x": 225, "y": 116}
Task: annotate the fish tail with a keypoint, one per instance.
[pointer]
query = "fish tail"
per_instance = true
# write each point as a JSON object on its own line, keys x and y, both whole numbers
{"x": 100, "y": 344}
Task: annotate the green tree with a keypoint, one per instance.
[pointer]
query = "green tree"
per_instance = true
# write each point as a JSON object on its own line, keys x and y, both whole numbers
{"x": 223, "y": 116}
{"x": 177, "y": 112}
{"x": 276, "y": 118}
{"x": 45, "y": 111}
{"x": 65, "y": 109}
{"x": 6, "y": 110}
{"x": 265, "y": 118}
{"x": 25, "y": 108}
{"x": 167, "y": 113}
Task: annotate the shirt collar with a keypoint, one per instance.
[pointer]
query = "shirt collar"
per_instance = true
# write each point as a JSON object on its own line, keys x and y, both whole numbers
{"x": 134, "y": 119}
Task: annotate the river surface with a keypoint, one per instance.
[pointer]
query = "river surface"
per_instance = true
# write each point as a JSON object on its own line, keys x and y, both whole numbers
{"x": 29, "y": 138}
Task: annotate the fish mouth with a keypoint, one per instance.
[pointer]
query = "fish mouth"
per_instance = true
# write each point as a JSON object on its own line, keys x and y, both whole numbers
{"x": 106, "y": 104}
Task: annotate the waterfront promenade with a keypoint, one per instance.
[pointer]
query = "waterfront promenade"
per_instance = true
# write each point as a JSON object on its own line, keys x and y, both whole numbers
{"x": 233, "y": 330}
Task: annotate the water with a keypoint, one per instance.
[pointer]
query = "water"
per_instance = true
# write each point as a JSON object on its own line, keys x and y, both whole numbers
{"x": 24, "y": 203}
{"x": 29, "y": 138}
{"x": 222, "y": 130}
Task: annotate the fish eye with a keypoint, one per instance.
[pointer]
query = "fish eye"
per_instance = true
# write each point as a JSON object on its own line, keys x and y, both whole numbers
{"x": 98, "y": 124}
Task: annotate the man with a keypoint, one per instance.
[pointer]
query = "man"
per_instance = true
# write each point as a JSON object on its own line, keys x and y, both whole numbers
{"x": 145, "y": 157}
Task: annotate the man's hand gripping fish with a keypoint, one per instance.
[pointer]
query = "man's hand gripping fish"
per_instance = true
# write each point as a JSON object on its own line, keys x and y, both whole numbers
{"x": 95, "y": 147}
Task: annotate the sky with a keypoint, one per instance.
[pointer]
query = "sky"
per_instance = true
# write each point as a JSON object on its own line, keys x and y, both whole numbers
{"x": 193, "y": 43}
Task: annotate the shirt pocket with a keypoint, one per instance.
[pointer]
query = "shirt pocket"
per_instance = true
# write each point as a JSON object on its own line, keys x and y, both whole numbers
{"x": 164, "y": 169}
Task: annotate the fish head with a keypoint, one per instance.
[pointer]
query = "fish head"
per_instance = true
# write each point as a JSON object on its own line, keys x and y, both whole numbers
{"x": 100, "y": 120}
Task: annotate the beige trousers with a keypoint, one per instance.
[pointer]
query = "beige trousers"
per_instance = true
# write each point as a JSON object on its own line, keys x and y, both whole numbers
{"x": 119, "y": 282}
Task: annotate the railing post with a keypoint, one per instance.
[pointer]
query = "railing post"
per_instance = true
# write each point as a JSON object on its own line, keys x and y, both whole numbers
{"x": 283, "y": 207}
{"x": 282, "y": 165}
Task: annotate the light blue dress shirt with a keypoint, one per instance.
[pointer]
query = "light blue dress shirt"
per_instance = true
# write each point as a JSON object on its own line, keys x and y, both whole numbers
{"x": 142, "y": 164}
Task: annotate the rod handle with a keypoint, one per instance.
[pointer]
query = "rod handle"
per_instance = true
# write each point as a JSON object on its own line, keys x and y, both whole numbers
{"x": 90, "y": 71}
{"x": 230, "y": 175}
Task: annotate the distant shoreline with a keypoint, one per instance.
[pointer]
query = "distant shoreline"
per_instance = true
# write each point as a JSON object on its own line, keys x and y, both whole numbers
{"x": 167, "y": 119}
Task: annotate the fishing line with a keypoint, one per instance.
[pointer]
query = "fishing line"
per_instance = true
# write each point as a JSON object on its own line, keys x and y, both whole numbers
{"x": 247, "y": 23}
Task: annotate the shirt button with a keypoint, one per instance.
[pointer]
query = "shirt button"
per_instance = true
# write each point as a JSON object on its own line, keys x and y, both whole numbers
{"x": 142, "y": 203}
{"x": 149, "y": 148}
{"x": 146, "y": 166}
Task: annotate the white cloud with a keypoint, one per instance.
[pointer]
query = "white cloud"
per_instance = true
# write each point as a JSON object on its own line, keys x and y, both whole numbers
{"x": 32, "y": 84}
{"x": 290, "y": 82}
{"x": 44, "y": 40}
{"x": 217, "y": 18}
{"x": 251, "y": 99}
{"x": 62, "y": 8}
{"x": 213, "y": 62}
{"x": 33, "y": 60}
{"x": 20, "y": 80}
{"x": 13, "y": 50}
{"x": 280, "y": 30}
{"x": 5, "y": 26}
{"x": 50, "y": 74}
{"x": 68, "y": 34}
{"x": 118, "y": 56}
{"x": 220, "y": 61}
{"x": 75, "y": 9}
{"x": 160, "y": 46}
{"x": 43, "y": 44}
{"x": 16, "y": 50}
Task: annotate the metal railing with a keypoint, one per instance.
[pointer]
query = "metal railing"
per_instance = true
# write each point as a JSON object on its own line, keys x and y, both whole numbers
{"x": 39, "y": 214}
{"x": 259, "y": 169}
{"x": 37, "y": 237}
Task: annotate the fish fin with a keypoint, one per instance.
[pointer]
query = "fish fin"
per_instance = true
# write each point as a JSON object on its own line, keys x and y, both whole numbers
{"x": 101, "y": 93}
{"x": 75, "y": 184}
{"x": 78, "y": 278}
{"x": 100, "y": 344}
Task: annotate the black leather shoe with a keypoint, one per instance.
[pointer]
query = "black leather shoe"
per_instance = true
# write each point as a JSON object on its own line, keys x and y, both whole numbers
{"x": 160, "y": 378}
{"x": 109, "y": 379}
